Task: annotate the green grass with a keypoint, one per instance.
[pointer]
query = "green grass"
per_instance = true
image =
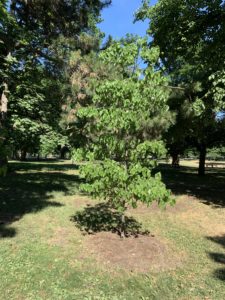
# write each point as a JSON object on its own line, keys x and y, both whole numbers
{"x": 42, "y": 254}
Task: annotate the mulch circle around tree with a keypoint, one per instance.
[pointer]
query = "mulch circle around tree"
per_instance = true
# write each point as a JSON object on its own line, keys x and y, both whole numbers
{"x": 134, "y": 254}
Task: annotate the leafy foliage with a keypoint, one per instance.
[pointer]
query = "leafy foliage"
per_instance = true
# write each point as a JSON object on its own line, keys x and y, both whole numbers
{"x": 124, "y": 126}
{"x": 50, "y": 142}
{"x": 191, "y": 39}
{"x": 36, "y": 39}
{"x": 84, "y": 72}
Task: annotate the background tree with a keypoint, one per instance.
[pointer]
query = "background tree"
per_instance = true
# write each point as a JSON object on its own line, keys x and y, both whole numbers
{"x": 38, "y": 35}
{"x": 8, "y": 30}
{"x": 191, "y": 39}
{"x": 124, "y": 125}
{"x": 187, "y": 130}
{"x": 84, "y": 72}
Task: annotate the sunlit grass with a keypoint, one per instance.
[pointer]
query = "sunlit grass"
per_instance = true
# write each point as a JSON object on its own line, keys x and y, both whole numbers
{"x": 42, "y": 254}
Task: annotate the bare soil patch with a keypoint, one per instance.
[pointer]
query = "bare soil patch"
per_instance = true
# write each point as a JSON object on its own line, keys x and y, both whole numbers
{"x": 134, "y": 254}
{"x": 80, "y": 202}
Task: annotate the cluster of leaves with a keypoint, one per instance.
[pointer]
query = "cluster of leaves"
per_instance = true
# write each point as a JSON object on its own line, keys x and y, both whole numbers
{"x": 217, "y": 92}
{"x": 51, "y": 141}
{"x": 216, "y": 153}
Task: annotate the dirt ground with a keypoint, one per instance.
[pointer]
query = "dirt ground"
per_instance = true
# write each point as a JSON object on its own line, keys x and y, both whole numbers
{"x": 150, "y": 252}
{"x": 134, "y": 254}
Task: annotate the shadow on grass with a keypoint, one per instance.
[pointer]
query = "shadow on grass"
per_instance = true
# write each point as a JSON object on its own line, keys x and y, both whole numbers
{"x": 210, "y": 189}
{"x": 102, "y": 217}
{"x": 29, "y": 192}
{"x": 7, "y": 232}
{"x": 50, "y": 165}
{"x": 218, "y": 257}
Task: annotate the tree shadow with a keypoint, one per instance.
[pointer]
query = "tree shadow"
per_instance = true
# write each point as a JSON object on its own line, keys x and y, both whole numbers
{"x": 30, "y": 192}
{"x": 218, "y": 257}
{"x": 209, "y": 189}
{"x": 102, "y": 217}
{"x": 42, "y": 166}
{"x": 7, "y": 232}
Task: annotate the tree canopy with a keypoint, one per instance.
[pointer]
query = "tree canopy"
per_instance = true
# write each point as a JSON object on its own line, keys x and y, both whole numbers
{"x": 36, "y": 38}
{"x": 191, "y": 36}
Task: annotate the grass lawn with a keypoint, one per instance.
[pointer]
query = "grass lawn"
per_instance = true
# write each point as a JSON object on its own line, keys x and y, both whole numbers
{"x": 45, "y": 255}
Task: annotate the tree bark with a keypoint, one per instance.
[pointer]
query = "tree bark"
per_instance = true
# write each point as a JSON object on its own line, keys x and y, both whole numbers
{"x": 16, "y": 155}
{"x": 4, "y": 102}
{"x": 3, "y": 113}
{"x": 123, "y": 226}
{"x": 23, "y": 155}
{"x": 202, "y": 158}
{"x": 175, "y": 160}
{"x": 62, "y": 153}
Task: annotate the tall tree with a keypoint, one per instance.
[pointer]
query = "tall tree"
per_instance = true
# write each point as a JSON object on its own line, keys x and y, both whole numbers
{"x": 191, "y": 36}
{"x": 40, "y": 34}
{"x": 8, "y": 30}
{"x": 84, "y": 72}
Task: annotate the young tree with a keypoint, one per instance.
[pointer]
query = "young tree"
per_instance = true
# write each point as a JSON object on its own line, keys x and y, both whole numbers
{"x": 124, "y": 124}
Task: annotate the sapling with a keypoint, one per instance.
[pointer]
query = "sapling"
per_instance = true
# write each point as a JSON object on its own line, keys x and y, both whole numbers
{"x": 124, "y": 124}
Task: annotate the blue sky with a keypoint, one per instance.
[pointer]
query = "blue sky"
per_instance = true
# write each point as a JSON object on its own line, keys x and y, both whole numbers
{"x": 118, "y": 19}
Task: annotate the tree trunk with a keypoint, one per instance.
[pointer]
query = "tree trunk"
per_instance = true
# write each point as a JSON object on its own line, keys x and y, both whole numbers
{"x": 175, "y": 160}
{"x": 3, "y": 113}
{"x": 23, "y": 155}
{"x": 123, "y": 226}
{"x": 62, "y": 153}
{"x": 16, "y": 155}
{"x": 3, "y": 130}
{"x": 202, "y": 157}
{"x": 3, "y": 165}
{"x": 4, "y": 102}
